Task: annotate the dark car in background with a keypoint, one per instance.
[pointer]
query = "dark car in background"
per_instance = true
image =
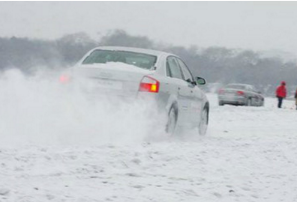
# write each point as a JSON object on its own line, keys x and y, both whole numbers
{"x": 240, "y": 94}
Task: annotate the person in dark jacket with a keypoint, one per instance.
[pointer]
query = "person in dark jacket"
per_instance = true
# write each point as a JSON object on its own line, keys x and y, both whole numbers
{"x": 296, "y": 99}
{"x": 281, "y": 93}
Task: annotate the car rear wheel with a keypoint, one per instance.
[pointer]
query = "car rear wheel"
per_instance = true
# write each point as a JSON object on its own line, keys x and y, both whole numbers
{"x": 221, "y": 103}
{"x": 171, "y": 123}
{"x": 203, "y": 122}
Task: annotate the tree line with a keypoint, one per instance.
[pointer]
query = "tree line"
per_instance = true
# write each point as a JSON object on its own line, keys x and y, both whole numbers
{"x": 216, "y": 64}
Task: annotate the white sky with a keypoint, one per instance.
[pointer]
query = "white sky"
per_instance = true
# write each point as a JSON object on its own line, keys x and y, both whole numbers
{"x": 251, "y": 25}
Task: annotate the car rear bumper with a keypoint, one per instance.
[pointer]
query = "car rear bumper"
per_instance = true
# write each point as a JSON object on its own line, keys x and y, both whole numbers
{"x": 239, "y": 100}
{"x": 149, "y": 100}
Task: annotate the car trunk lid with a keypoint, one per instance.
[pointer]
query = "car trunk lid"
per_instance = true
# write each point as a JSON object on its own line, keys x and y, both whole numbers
{"x": 111, "y": 78}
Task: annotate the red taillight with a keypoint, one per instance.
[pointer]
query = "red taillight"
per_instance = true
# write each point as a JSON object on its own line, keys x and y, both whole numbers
{"x": 64, "y": 79}
{"x": 149, "y": 84}
{"x": 240, "y": 93}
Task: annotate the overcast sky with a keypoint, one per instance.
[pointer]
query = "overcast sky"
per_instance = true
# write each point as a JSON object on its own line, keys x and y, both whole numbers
{"x": 248, "y": 25}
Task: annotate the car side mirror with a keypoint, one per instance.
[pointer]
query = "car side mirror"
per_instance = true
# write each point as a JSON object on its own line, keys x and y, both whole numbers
{"x": 200, "y": 81}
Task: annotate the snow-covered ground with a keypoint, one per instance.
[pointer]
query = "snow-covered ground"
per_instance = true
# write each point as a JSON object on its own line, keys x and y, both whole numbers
{"x": 52, "y": 151}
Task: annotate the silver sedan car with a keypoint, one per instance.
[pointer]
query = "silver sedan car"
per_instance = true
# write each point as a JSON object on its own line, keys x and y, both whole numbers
{"x": 137, "y": 73}
{"x": 240, "y": 94}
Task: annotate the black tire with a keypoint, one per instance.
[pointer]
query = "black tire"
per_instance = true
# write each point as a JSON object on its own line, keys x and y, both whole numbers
{"x": 204, "y": 121}
{"x": 221, "y": 103}
{"x": 172, "y": 119}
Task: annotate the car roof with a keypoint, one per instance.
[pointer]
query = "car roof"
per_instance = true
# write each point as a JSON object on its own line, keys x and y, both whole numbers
{"x": 132, "y": 49}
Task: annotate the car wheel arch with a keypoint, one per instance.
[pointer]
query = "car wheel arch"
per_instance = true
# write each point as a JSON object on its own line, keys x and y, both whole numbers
{"x": 174, "y": 105}
{"x": 172, "y": 100}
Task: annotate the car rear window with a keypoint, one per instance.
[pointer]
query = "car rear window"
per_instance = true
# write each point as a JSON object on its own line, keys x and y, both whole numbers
{"x": 141, "y": 60}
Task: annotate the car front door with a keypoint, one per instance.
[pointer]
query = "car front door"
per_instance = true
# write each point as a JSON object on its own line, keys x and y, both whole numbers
{"x": 195, "y": 93}
{"x": 180, "y": 87}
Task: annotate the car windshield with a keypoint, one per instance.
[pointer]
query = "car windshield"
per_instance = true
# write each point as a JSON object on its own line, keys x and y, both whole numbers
{"x": 141, "y": 60}
{"x": 242, "y": 87}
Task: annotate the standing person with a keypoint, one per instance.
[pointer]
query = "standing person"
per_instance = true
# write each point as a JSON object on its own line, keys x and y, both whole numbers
{"x": 281, "y": 93}
{"x": 296, "y": 99}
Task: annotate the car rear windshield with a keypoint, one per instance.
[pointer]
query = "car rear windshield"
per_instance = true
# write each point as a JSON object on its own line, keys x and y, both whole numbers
{"x": 141, "y": 60}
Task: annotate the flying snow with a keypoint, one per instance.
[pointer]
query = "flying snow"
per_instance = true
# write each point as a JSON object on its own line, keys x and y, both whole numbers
{"x": 39, "y": 109}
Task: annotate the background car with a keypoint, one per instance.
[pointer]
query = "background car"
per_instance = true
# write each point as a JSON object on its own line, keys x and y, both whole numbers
{"x": 136, "y": 73}
{"x": 240, "y": 94}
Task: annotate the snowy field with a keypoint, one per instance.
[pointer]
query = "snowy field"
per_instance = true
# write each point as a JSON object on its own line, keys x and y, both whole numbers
{"x": 57, "y": 147}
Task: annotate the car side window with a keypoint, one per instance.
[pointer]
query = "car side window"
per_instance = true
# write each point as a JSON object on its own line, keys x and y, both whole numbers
{"x": 187, "y": 75}
{"x": 173, "y": 69}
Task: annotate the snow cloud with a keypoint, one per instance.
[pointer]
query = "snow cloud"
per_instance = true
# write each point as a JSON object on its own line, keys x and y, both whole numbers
{"x": 40, "y": 110}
